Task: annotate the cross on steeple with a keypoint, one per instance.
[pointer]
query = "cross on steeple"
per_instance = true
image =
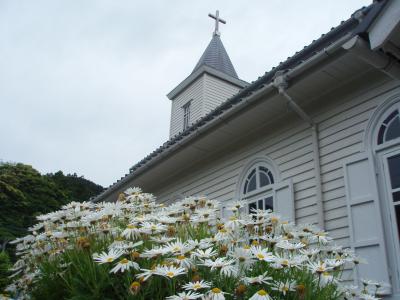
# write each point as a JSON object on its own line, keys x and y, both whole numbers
{"x": 217, "y": 20}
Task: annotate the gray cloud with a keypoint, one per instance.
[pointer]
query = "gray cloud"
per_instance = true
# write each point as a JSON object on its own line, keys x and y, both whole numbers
{"x": 83, "y": 83}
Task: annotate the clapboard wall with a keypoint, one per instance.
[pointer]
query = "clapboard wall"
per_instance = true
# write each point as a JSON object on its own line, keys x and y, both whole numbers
{"x": 193, "y": 93}
{"x": 216, "y": 91}
{"x": 341, "y": 117}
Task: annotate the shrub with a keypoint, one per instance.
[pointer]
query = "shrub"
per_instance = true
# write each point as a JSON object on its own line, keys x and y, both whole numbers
{"x": 4, "y": 269}
{"x": 136, "y": 248}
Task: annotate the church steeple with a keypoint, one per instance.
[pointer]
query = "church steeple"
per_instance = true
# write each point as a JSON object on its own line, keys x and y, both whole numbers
{"x": 212, "y": 81}
{"x": 215, "y": 56}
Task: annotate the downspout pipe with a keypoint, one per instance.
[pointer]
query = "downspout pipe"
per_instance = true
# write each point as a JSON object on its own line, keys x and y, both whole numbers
{"x": 360, "y": 48}
{"x": 281, "y": 83}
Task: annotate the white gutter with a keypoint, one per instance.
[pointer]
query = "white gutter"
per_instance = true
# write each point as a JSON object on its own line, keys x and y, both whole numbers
{"x": 378, "y": 60}
{"x": 254, "y": 96}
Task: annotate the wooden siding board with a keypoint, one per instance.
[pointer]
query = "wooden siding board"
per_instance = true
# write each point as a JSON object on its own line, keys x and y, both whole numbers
{"x": 341, "y": 130}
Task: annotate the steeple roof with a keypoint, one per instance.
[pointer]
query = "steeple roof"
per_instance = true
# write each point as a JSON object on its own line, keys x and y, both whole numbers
{"x": 216, "y": 57}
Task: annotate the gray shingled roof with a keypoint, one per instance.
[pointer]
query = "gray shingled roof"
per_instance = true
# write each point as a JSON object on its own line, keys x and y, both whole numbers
{"x": 350, "y": 26}
{"x": 215, "y": 56}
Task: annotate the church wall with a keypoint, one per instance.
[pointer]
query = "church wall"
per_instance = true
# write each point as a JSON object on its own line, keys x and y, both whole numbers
{"x": 341, "y": 121}
{"x": 216, "y": 91}
{"x": 291, "y": 149}
{"x": 195, "y": 93}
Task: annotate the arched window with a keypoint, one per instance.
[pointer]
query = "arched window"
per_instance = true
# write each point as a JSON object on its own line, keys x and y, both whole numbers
{"x": 257, "y": 187}
{"x": 382, "y": 164}
{"x": 390, "y": 128}
{"x": 258, "y": 177}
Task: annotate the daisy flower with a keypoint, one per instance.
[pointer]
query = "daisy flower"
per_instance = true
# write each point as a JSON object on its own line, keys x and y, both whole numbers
{"x": 243, "y": 256}
{"x": 221, "y": 263}
{"x": 260, "y": 279}
{"x": 197, "y": 285}
{"x": 223, "y": 235}
{"x": 131, "y": 232}
{"x": 325, "y": 279}
{"x": 368, "y": 297}
{"x": 310, "y": 252}
{"x": 146, "y": 274}
{"x": 124, "y": 265}
{"x": 233, "y": 223}
{"x": 178, "y": 247}
{"x": 185, "y": 296}
{"x": 134, "y": 190}
{"x": 152, "y": 228}
{"x": 155, "y": 251}
{"x": 162, "y": 239}
{"x": 262, "y": 254}
{"x": 260, "y": 295}
{"x": 182, "y": 261}
{"x": 285, "y": 287}
{"x": 319, "y": 268}
{"x": 215, "y": 294}
{"x": 321, "y": 237}
{"x": 202, "y": 254}
{"x": 285, "y": 244}
{"x": 109, "y": 257}
{"x": 169, "y": 271}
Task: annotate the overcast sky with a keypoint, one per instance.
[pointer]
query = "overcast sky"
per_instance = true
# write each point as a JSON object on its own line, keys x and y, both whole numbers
{"x": 83, "y": 83}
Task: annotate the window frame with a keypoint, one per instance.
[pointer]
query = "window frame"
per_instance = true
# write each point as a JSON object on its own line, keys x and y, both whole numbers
{"x": 186, "y": 114}
{"x": 260, "y": 192}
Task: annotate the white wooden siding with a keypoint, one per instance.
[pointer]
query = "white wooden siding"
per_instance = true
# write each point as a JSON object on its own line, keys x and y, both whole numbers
{"x": 216, "y": 91}
{"x": 206, "y": 93}
{"x": 290, "y": 148}
{"x": 192, "y": 93}
{"x": 341, "y": 129}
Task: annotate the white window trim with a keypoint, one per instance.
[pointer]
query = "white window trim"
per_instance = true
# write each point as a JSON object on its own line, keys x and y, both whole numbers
{"x": 377, "y": 154}
{"x": 186, "y": 114}
{"x": 262, "y": 192}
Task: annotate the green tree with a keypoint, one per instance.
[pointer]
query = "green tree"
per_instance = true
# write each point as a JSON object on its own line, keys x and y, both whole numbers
{"x": 4, "y": 267}
{"x": 25, "y": 193}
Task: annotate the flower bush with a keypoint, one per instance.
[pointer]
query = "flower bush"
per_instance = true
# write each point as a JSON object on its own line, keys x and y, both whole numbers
{"x": 136, "y": 248}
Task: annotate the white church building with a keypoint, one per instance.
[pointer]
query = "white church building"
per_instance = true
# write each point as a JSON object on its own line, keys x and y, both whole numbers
{"x": 316, "y": 139}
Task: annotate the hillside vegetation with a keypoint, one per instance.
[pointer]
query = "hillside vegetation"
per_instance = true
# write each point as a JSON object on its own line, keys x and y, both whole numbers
{"x": 25, "y": 193}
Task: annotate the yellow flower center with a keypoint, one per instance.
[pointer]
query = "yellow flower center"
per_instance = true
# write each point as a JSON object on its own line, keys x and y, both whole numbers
{"x": 181, "y": 257}
{"x": 170, "y": 274}
{"x": 110, "y": 259}
{"x": 262, "y": 293}
{"x": 123, "y": 261}
{"x": 260, "y": 256}
{"x": 216, "y": 290}
{"x": 197, "y": 286}
{"x": 135, "y": 284}
{"x": 131, "y": 226}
